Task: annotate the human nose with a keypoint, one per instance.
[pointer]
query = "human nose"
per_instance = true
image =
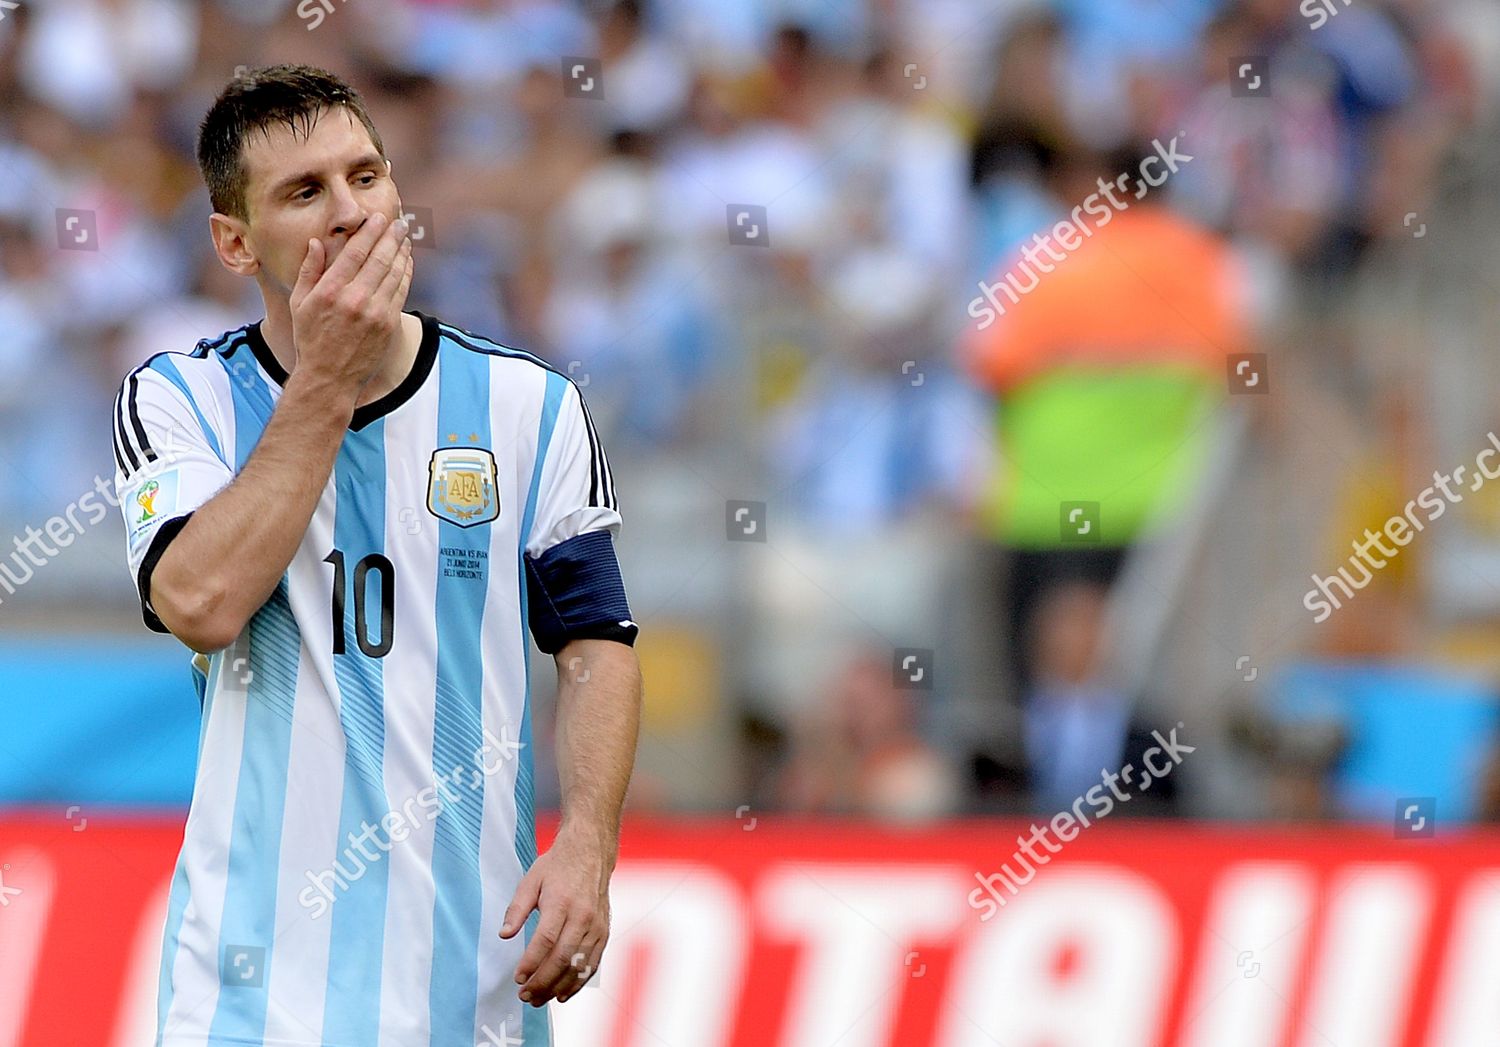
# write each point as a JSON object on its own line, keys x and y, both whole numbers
{"x": 348, "y": 213}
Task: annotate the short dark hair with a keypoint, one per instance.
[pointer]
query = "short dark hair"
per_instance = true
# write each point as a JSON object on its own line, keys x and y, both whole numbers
{"x": 256, "y": 100}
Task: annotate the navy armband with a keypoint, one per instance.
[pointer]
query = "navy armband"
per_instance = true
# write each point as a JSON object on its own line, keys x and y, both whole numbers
{"x": 574, "y": 592}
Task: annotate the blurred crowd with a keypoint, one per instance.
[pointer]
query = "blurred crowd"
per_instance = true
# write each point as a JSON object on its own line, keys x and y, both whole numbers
{"x": 753, "y": 232}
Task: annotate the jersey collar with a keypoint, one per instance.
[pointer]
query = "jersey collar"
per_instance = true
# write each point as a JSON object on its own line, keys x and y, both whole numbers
{"x": 421, "y": 367}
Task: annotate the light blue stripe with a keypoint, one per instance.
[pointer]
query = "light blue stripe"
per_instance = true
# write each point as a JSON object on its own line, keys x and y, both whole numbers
{"x": 249, "y": 920}
{"x": 165, "y": 366}
{"x": 252, "y": 400}
{"x": 535, "y": 1028}
{"x": 351, "y": 1013}
{"x": 458, "y": 719}
{"x": 177, "y": 899}
{"x": 176, "y": 906}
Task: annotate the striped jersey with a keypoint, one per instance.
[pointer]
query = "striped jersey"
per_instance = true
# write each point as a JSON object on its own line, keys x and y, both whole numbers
{"x": 362, "y": 808}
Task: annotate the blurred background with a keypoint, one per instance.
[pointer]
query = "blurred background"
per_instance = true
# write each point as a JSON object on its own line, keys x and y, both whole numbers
{"x": 894, "y": 562}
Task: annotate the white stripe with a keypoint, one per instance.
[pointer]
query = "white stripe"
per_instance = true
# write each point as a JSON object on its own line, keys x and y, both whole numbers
{"x": 210, "y": 823}
{"x": 504, "y": 701}
{"x": 410, "y": 684}
{"x": 309, "y": 830}
{"x": 209, "y": 383}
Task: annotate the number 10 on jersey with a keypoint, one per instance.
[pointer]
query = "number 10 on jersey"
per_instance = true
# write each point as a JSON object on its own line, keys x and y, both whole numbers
{"x": 385, "y": 574}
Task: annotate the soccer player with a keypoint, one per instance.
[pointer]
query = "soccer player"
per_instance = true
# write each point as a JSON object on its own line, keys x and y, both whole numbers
{"x": 354, "y": 513}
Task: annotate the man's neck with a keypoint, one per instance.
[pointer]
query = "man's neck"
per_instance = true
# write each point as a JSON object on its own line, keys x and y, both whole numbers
{"x": 396, "y": 364}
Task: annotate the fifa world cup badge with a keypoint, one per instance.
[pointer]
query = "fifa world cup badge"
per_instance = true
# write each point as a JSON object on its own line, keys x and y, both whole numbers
{"x": 155, "y": 500}
{"x": 146, "y": 499}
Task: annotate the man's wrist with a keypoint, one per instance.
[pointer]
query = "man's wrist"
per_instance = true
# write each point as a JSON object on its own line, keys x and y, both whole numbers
{"x": 592, "y": 830}
{"x": 326, "y": 391}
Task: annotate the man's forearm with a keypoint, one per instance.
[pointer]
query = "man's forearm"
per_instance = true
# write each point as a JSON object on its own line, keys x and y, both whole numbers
{"x": 598, "y": 724}
{"x": 229, "y": 557}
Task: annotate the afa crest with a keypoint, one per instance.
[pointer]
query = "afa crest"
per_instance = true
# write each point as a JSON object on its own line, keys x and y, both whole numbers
{"x": 461, "y": 486}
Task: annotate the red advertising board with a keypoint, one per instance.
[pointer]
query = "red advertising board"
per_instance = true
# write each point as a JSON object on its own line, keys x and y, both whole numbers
{"x": 761, "y": 931}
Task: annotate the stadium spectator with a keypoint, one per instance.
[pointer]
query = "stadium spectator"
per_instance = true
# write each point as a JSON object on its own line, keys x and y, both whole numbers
{"x": 593, "y": 232}
{"x": 1106, "y": 372}
{"x": 1266, "y": 175}
{"x": 870, "y": 456}
{"x": 859, "y": 752}
{"x": 628, "y": 320}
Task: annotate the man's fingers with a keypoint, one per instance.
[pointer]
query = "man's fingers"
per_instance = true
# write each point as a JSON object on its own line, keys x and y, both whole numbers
{"x": 543, "y": 942}
{"x": 557, "y": 968}
{"x": 572, "y": 962}
{"x": 527, "y": 895}
{"x": 401, "y": 292}
{"x": 312, "y": 269}
{"x": 390, "y": 288}
{"x": 582, "y": 968}
{"x": 352, "y": 258}
{"x": 569, "y": 982}
{"x": 380, "y": 261}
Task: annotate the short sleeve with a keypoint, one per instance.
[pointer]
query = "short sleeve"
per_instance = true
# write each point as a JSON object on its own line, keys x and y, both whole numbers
{"x": 573, "y": 583}
{"x": 577, "y": 491}
{"x": 168, "y": 463}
